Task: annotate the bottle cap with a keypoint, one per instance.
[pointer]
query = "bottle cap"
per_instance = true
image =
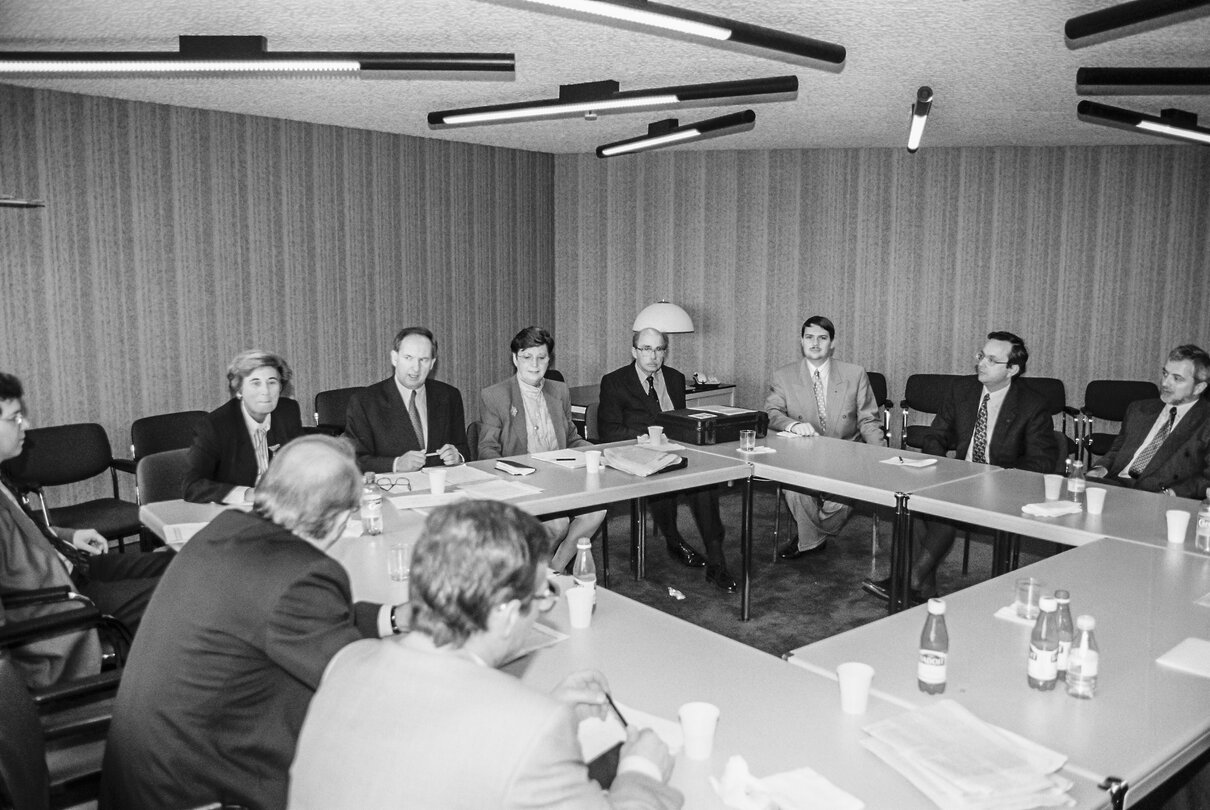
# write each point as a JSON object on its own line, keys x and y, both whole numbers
{"x": 1086, "y": 622}
{"x": 584, "y": 542}
{"x": 1062, "y": 597}
{"x": 1048, "y": 604}
{"x": 937, "y": 606}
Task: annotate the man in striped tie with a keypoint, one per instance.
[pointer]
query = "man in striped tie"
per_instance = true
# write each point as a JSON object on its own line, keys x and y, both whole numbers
{"x": 1164, "y": 445}
{"x": 988, "y": 419}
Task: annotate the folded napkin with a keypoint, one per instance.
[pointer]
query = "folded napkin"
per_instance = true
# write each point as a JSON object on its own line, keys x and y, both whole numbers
{"x": 761, "y": 449}
{"x": 800, "y": 789}
{"x": 1052, "y": 508}
{"x": 788, "y": 434}
{"x": 1009, "y": 614}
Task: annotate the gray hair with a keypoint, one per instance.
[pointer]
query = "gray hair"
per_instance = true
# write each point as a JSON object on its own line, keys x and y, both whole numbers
{"x": 309, "y": 485}
{"x": 249, "y": 361}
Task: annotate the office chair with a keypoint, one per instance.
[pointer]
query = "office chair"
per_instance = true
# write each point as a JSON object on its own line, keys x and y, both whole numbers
{"x": 923, "y": 393}
{"x": 1055, "y": 393}
{"x": 879, "y": 387}
{"x": 1107, "y": 400}
{"x": 331, "y": 407}
{"x": 159, "y": 477}
{"x": 157, "y": 434}
{"x": 472, "y": 439}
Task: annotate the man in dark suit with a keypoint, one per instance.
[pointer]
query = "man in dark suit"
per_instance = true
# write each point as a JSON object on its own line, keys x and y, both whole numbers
{"x": 235, "y": 641}
{"x": 631, "y": 398}
{"x": 988, "y": 420}
{"x": 1164, "y": 445}
{"x": 407, "y": 421}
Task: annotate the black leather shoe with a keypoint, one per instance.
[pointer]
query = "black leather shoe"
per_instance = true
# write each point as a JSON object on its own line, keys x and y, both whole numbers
{"x": 683, "y": 553}
{"x": 791, "y": 551}
{"x": 882, "y": 589}
{"x": 718, "y": 576}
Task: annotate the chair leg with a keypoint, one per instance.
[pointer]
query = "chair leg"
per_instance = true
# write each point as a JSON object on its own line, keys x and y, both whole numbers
{"x": 776, "y": 521}
{"x": 966, "y": 552}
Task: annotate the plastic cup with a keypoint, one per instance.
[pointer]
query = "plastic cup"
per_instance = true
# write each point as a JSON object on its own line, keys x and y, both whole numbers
{"x": 1094, "y": 500}
{"x": 579, "y": 606}
{"x": 656, "y": 434}
{"x": 747, "y": 440}
{"x": 698, "y": 721}
{"x": 1178, "y": 525}
{"x": 1028, "y": 592}
{"x": 437, "y": 480}
{"x": 1054, "y": 486}
{"x": 399, "y": 562}
{"x": 854, "y": 678}
{"x": 592, "y": 461}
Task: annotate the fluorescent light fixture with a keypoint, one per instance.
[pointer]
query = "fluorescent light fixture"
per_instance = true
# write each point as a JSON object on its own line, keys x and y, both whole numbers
{"x": 668, "y": 133}
{"x": 9, "y": 201}
{"x": 697, "y": 24}
{"x": 247, "y": 55}
{"x": 920, "y": 115}
{"x": 666, "y": 317}
{"x": 592, "y": 98}
{"x": 1112, "y": 81}
{"x": 1171, "y": 123}
{"x": 1133, "y": 15}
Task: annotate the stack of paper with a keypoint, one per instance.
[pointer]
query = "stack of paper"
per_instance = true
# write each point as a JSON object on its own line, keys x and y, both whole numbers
{"x": 1052, "y": 508}
{"x": 638, "y": 460}
{"x": 960, "y": 762}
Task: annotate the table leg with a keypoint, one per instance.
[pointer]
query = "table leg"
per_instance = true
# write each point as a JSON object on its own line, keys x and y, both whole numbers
{"x": 640, "y": 558}
{"x": 634, "y": 538}
{"x": 901, "y": 555}
{"x": 745, "y": 552}
{"x": 1006, "y": 552}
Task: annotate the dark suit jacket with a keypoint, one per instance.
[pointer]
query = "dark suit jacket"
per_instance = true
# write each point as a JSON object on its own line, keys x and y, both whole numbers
{"x": 505, "y": 429}
{"x": 1182, "y": 463}
{"x": 625, "y": 410}
{"x": 231, "y": 648}
{"x": 222, "y": 456}
{"x": 378, "y": 424}
{"x": 1023, "y": 438}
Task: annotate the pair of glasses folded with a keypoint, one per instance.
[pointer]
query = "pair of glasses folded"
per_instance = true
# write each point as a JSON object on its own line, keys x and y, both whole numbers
{"x": 388, "y": 483}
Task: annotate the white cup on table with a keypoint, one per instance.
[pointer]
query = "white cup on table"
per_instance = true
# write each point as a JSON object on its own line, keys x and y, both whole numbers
{"x": 1054, "y": 486}
{"x": 592, "y": 461}
{"x": 437, "y": 480}
{"x": 1178, "y": 525}
{"x": 655, "y": 434}
{"x": 854, "y": 678}
{"x": 698, "y": 721}
{"x": 579, "y": 606}
{"x": 1094, "y": 500}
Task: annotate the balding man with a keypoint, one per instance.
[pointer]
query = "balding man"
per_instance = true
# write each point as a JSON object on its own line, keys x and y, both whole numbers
{"x": 235, "y": 641}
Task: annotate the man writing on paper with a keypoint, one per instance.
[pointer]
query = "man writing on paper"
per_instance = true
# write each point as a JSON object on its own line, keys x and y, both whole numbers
{"x": 428, "y": 721}
{"x": 820, "y": 396}
{"x": 408, "y": 421}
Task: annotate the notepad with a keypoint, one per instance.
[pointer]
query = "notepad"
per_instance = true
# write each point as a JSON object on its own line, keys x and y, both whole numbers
{"x": 900, "y": 461}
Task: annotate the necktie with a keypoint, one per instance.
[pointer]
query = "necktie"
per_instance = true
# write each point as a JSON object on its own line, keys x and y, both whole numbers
{"x": 262, "y": 452}
{"x": 979, "y": 450}
{"x": 1153, "y": 447}
{"x": 817, "y": 383}
{"x": 651, "y": 392}
{"x": 417, "y": 425}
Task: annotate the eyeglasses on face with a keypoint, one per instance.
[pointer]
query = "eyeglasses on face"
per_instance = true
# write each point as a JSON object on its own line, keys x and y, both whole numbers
{"x": 651, "y": 349}
{"x": 19, "y": 419}
{"x": 547, "y": 596}
{"x": 980, "y": 357}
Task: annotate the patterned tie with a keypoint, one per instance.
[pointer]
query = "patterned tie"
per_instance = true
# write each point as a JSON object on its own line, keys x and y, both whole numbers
{"x": 1153, "y": 447}
{"x": 651, "y": 392}
{"x": 262, "y": 452}
{"x": 817, "y": 383}
{"x": 979, "y": 451}
{"x": 417, "y": 425}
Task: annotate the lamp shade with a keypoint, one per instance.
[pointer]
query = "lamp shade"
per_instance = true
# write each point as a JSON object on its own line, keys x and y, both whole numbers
{"x": 666, "y": 317}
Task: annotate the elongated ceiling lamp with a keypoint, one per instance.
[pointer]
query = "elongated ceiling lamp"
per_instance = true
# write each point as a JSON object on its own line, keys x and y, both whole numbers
{"x": 1174, "y": 124}
{"x": 667, "y": 133}
{"x": 249, "y": 56}
{"x": 1114, "y": 81}
{"x": 696, "y": 24}
{"x": 920, "y": 114}
{"x": 1135, "y": 15}
{"x": 9, "y": 201}
{"x": 666, "y": 317}
{"x": 596, "y": 98}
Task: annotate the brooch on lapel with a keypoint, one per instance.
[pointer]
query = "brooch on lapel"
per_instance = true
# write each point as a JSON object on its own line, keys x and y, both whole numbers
{"x": 512, "y": 410}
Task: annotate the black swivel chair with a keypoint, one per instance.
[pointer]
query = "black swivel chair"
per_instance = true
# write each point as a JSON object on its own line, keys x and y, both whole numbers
{"x": 1107, "y": 400}
{"x": 331, "y": 407}
{"x": 1055, "y": 393}
{"x": 885, "y": 405}
{"x": 924, "y": 393}
{"x": 472, "y": 439}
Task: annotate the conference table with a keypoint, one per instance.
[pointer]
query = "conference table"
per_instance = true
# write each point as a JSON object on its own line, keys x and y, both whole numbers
{"x": 1146, "y": 720}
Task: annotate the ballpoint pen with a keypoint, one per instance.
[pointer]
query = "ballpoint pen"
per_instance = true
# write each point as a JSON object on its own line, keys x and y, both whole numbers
{"x": 614, "y": 706}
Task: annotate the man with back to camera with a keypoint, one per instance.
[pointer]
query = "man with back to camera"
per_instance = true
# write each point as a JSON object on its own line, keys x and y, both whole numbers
{"x": 235, "y": 642}
{"x": 429, "y": 721}
{"x": 1164, "y": 445}
{"x": 631, "y": 399}
{"x": 408, "y": 421}
{"x": 987, "y": 419}
{"x": 821, "y": 396}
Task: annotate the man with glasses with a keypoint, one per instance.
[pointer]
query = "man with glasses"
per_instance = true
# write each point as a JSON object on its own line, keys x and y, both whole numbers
{"x": 428, "y": 720}
{"x": 631, "y": 399}
{"x": 989, "y": 420}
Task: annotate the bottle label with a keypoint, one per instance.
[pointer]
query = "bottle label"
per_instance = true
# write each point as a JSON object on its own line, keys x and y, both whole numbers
{"x": 931, "y": 666}
{"x": 1084, "y": 663}
{"x": 1064, "y": 654}
{"x": 1043, "y": 664}
{"x": 1076, "y": 485}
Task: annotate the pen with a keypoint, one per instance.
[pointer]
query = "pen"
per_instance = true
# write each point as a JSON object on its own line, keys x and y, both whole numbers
{"x": 561, "y": 458}
{"x": 426, "y": 455}
{"x": 614, "y": 706}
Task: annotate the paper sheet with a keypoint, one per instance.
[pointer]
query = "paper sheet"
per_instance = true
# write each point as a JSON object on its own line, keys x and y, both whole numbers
{"x": 1191, "y": 656}
{"x": 426, "y": 500}
{"x": 799, "y": 789}
{"x": 539, "y": 637}
{"x": 1008, "y": 613}
{"x": 571, "y": 459}
{"x": 721, "y": 410}
{"x": 598, "y": 736}
{"x": 900, "y": 461}
{"x": 499, "y": 490}
{"x": 176, "y": 535}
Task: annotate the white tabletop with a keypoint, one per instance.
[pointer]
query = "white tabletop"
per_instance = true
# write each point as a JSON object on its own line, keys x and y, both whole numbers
{"x": 1145, "y": 721}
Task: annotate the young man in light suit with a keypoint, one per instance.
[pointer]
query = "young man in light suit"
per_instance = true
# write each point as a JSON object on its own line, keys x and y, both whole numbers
{"x": 819, "y": 396}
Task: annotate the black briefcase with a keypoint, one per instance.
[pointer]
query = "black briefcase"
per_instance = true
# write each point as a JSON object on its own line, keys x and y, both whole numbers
{"x": 693, "y": 426}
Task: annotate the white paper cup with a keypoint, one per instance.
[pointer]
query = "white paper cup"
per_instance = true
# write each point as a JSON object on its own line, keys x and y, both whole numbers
{"x": 698, "y": 721}
{"x": 656, "y": 434}
{"x": 592, "y": 459}
{"x": 1026, "y": 597}
{"x": 854, "y": 678}
{"x": 1054, "y": 486}
{"x": 1178, "y": 525}
{"x": 1094, "y": 500}
{"x": 437, "y": 480}
{"x": 579, "y": 606}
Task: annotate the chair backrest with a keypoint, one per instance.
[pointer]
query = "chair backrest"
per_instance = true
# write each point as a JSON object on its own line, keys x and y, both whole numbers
{"x": 161, "y": 476}
{"x": 1107, "y": 399}
{"x": 24, "y": 778}
{"x": 472, "y": 439}
{"x": 878, "y": 385}
{"x": 590, "y": 422}
{"x": 554, "y": 374}
{"x": 63, "y": 454}
{"x": 165, "y": 431}
{"x": 331, "y": 406}
{"x": 926, "y": 392}
{"x": 1049, "y": 388}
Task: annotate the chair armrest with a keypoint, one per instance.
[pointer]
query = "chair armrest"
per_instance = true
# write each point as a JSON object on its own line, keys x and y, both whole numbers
{"x": 24, "y": 631}
{"x": 100, "y": 684}
{"x": 1071, "y": 411}
{"x": 12, "y": 599}
{"x": 126, "y": 465}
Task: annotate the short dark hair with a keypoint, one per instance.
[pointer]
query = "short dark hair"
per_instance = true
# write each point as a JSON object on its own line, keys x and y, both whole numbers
{"x": 407, "y": 331}
{"x": 1196, "y": 355}
{"x": 1018, "y": 355}
{"x": 471, "y": 557}
{"x": 532, "y": 336}
{"x": 820, "y": 321}
{"x": 10, "y": 387}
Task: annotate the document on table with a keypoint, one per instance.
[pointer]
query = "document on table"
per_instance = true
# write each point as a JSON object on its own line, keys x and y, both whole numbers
{"x": 426, "y": 500}
{"x": 176, "y": 535}
{"x": 1191, "y": 656}
{"x": 571, "y": 459}
{"x": 900, "y": 461}
{"x": 721, "y": 410}
{"x": 799, "y": 789}
{"x": 499, "y": 490}
{"x": 597, "y": 736}
{"x": 419, "y": 480}
{"x": 539, "y": 637}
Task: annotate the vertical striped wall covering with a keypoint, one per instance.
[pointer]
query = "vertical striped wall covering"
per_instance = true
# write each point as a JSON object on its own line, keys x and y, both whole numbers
{"x": 1098, "y": 257}
{"x": 174, "y": 238}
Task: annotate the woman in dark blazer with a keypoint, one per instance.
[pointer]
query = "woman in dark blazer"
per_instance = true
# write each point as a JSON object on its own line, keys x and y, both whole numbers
{"x": 224, "y": 464}
{"x": 530, "y": 414}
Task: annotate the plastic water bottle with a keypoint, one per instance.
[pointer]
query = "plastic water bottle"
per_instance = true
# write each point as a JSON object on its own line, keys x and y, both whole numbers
{"x": 1084, "y": 660}
{"x": 1066, "y": 631}
{"x": 1043, "y": 669}
{"x": 1076, "y": 482}
{"x": 371, "y": 505}
{"x": 1201, "y": 540}
{"x": 934, "y": 650}
{"x": 584, "y": 572}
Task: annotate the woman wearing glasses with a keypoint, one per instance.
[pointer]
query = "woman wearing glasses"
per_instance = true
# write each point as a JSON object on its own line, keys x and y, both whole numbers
{"x": 528, "y": 413}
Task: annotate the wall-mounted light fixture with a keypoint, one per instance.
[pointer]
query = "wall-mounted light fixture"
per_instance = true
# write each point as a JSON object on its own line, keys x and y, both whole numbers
{"x": 667, "y": 133}
{"x": 1163, "y": 81}
{"x": 920, "y": 114}
{"x": 1174, "y": 124}
{"x": 597, "y": 98}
